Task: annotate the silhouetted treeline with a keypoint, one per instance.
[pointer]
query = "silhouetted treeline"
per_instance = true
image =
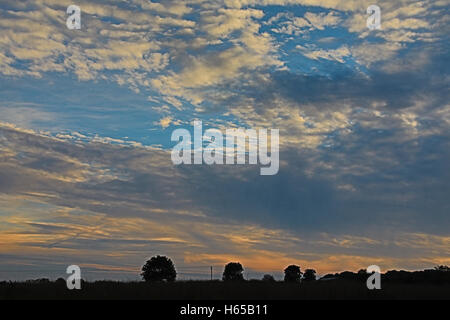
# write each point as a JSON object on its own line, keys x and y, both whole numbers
{"x": 434, "y": 276}
{"x": 159, "y": 283}
{"x": 161, "y": 268}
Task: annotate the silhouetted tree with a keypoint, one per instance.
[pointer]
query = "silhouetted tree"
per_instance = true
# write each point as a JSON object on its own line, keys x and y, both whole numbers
{"x": 348, "y": 275}
{"x": 159, "y": 268}
{"x": 442, "y": 268}
{"x": 268, "y": 278}
{"x": 309, "y": 275}
{"x": 61, "y": 282}
{"x": 362, "y": 275}
{"x": 329, "y": 276}
{"x": 233, "y": 272}
{"x": 292, "y": 274}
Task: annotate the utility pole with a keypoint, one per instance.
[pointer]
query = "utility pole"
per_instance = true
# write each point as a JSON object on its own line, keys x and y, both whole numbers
{"x": 211, "y": 273}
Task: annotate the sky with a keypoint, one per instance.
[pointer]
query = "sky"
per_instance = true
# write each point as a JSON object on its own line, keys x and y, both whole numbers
{"x": 86, "y": 118}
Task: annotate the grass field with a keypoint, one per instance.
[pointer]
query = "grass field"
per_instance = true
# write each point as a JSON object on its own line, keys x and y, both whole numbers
{"x": 216, "y": 290}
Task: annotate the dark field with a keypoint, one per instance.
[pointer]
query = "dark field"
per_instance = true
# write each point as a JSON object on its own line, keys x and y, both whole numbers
{"x": 216, "y": 290}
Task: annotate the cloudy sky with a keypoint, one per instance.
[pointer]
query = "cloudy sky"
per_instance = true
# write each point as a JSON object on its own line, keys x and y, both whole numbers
{"x": 86, "y": 118}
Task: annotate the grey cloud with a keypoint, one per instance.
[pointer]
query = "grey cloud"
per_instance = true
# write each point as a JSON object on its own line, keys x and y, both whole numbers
{"x": 388, "y": 181}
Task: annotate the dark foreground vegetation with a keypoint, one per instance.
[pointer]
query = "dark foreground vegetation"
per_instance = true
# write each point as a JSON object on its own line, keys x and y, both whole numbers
{"x": 159, "y": 283}
{"x": 340, "y": 288}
